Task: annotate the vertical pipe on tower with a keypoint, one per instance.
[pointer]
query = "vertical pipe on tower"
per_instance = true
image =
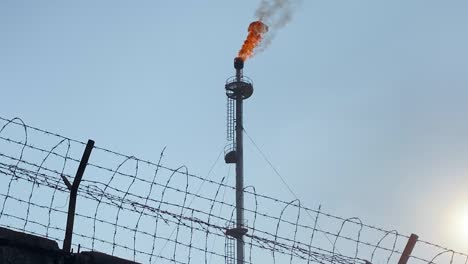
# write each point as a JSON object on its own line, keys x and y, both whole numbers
{"x": 238, "y": 65}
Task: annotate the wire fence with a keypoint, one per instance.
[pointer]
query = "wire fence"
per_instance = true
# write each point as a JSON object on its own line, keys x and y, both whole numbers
{"x": 150, "y": 213}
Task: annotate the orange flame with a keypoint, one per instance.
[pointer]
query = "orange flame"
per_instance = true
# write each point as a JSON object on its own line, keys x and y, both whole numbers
{"x": 256, "y": 31}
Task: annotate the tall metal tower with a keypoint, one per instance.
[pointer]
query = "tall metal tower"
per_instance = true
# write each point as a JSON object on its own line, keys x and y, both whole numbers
{"x": 238, "y": 88}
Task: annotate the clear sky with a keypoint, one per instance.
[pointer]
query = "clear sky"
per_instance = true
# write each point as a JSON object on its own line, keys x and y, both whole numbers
{"x": 360, "y": 105}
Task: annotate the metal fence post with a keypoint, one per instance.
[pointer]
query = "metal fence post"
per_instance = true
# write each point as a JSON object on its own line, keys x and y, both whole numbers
{"x": 73, "y": 193}
{"x": 408, "y": 249}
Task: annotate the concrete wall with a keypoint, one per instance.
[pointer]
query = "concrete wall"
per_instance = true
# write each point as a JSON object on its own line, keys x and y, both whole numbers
{"x": 21, "y": 248}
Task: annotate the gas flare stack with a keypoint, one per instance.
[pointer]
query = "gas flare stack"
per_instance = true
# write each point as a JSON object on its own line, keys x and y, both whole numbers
{"x": 238, "y": 88}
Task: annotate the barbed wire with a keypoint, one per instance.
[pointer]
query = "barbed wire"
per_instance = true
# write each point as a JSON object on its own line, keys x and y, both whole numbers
{"x": 148, "y": 212}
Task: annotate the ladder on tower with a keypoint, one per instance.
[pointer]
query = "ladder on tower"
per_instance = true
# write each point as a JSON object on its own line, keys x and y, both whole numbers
{"x": 230, "y": 149}
{"x": 229, "y": 250}
{"x": 231, "y": 122}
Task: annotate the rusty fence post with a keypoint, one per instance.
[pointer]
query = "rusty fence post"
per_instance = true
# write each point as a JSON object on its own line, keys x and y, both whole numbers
{"x": 408, "y": 249}
{"x": 73, "y": 193}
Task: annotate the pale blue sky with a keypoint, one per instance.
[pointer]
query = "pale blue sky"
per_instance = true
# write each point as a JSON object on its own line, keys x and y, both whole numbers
{"x": 361, "y": 105}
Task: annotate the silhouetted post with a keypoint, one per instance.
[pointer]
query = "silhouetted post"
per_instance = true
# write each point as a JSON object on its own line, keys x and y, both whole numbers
{"x": 73, "y": 193}
{"x": 408, "y": 249}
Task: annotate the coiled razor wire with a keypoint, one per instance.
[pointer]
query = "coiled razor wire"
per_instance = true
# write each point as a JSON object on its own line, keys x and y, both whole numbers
{"x": 139, "y": 210}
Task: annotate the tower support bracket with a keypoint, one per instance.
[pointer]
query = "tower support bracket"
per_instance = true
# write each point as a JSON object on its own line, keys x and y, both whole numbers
{"x": 237, "y": 232}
